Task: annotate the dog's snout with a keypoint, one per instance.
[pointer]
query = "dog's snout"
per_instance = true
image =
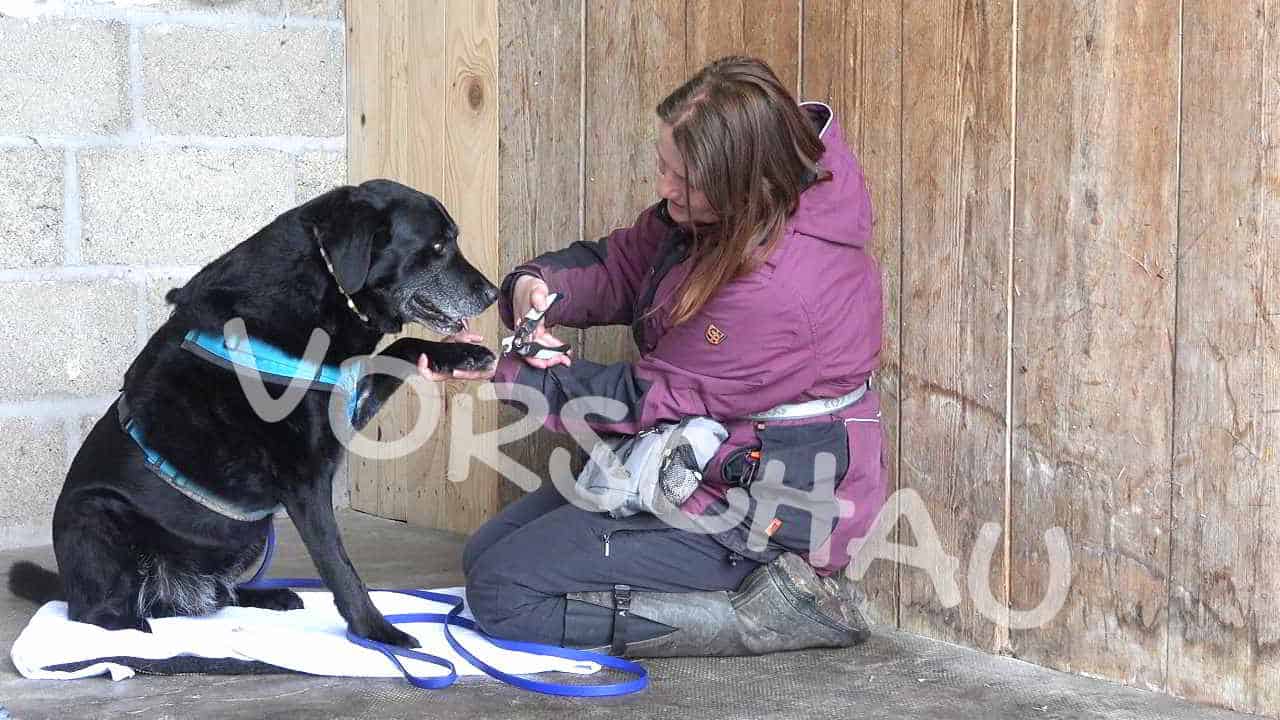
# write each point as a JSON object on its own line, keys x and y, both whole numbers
{"x": 489, "y": 294}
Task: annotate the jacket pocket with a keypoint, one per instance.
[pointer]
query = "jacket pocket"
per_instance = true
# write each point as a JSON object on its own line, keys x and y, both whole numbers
{"x": 739, "y": 466}
{"x": 793, "y": 489}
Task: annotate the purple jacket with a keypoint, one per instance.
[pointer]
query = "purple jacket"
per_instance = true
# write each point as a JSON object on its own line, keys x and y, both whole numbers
{"x": 805, "y": 325}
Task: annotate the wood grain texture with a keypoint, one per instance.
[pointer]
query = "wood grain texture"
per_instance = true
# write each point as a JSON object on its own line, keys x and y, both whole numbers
{"x": 393, "y": 49}
{"x": 1224, "y": 635}
{"x": 827, "y": 52}
{"x": 422, "y": 91}
{"x": 469, "y": 156}
{"x": 539, "y": 156}
{"x": 956, "y": 154}
{"x": 771, "y": 32}
{"x": 1095, "y": 224}
{"x": 715, "y": 28}
{"x": 635, "y": 56}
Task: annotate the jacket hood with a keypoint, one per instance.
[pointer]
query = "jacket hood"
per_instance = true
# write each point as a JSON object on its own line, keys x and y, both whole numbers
{"x": 837, "y": 210}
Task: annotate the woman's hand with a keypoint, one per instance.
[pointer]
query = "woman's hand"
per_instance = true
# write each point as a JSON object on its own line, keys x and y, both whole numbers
{"x": 465, "y": 336}
{"x": 531, "y": 292}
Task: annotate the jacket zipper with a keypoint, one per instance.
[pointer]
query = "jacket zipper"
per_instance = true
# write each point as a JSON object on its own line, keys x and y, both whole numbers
{"x": 606, "y": 535}
{"x": 676, "y": 253}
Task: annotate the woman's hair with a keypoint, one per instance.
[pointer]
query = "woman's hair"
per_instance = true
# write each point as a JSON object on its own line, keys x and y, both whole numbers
{"x": 751, "y": 150}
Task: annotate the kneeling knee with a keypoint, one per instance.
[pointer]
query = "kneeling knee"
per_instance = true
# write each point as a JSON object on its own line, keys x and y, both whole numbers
{"x": 505, "y": 608}
{"x": 489, "y": 604}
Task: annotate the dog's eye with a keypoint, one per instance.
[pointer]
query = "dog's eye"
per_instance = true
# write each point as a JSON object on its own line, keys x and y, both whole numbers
{"x": 438, "y": 247}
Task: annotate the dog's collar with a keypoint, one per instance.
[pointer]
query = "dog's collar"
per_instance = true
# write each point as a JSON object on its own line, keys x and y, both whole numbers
{"x": 350, "y": 302}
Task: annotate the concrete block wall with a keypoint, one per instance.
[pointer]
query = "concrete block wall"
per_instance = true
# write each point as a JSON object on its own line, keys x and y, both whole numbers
{"x": 139, "y": 139}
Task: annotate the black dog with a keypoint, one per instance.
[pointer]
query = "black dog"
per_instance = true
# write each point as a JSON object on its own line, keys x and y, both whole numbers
{"x": 357, "y": 263}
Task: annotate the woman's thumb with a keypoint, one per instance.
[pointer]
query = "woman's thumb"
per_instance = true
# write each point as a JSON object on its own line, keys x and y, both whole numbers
{"x": 538, "y": 296}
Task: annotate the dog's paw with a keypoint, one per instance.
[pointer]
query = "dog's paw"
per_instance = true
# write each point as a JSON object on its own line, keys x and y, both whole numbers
{"x": 276, "y": 599}
{"x": 388, "y": 634}
{"x": 365, "y": 410}
{"x": 108, "y": 620}
{"x": 464, "y": 357}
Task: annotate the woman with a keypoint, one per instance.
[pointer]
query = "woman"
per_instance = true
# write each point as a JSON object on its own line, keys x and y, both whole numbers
{"x": 749, "y": 290}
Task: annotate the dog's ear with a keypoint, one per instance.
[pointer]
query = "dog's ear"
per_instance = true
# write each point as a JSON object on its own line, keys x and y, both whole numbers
{"x": 344, "y": 223}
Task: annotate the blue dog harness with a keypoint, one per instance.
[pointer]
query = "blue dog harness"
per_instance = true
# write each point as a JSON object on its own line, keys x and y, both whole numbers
{"x": 241, "y": 354}
{"x": 175, "y": 478}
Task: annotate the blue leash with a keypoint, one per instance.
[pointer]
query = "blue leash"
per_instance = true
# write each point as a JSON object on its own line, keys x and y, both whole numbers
{"x": 454, "y": 619}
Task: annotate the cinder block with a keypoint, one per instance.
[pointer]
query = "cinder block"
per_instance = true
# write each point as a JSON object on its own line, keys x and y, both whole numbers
{"x": 243, "y": 82}
{"x": 314, "y": 8}
{"x": 320, "y": 172}
{"x": 62, "y": 77}
{"x": 180, "y": 206}
{"x": 30, "y": 207}
{"x": 212, "y": 7}
{"x": 153, "y": 298}
{"x": 31, "y": 475}
{"x": 66, "y": 338}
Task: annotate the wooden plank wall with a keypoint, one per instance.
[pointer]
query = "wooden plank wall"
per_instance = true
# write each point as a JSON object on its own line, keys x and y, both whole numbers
{"x": 1224, "y": 637}
{"x": 956, "y": 81}
{"x": 1076, "y": 230}
{"x": 540, "y": 154}
{"x": 423, "y": 110}
{"x": 1095, "y": 231}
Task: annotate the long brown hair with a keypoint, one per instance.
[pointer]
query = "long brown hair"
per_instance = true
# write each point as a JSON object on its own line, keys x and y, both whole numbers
{"x": 751, "y": 150}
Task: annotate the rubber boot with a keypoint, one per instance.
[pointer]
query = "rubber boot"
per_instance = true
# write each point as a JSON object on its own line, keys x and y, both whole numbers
{"x": 784, "y": 605}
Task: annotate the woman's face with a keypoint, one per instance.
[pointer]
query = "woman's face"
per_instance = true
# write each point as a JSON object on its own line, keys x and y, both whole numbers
{"x": 685, "y": 203}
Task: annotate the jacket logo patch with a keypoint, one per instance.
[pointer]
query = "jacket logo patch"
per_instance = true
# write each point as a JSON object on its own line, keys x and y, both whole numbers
{"x": 715, "y": 335}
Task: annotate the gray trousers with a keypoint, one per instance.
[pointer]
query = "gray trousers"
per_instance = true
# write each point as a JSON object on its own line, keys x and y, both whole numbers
{"x": 522, "y": 563}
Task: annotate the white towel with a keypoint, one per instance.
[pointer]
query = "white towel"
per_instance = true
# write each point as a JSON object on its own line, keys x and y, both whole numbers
{"x": 311, "y": 640}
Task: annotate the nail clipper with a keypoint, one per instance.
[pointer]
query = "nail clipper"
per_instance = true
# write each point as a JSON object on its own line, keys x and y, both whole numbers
{"x": 522, "y": 343}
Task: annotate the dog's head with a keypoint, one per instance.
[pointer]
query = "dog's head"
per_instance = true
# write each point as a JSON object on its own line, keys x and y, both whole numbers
{"x": 395, "y": 251}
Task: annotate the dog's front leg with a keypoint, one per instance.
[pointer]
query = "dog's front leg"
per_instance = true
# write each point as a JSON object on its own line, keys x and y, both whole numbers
{"x": 374, "y": 388}
{"x": 311, "y": 510}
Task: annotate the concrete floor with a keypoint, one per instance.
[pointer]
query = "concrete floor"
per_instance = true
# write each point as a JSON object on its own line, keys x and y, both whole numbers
{"x": 894, "y": 675}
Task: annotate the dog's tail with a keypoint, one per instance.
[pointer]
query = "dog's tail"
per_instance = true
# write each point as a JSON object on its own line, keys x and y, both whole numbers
{"x": 29, "y": 581}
